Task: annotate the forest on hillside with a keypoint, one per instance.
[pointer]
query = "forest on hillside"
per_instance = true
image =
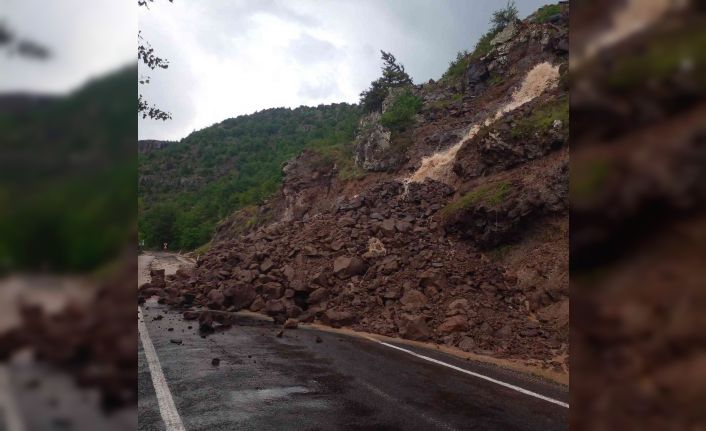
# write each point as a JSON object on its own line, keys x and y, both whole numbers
{"x": 186, "y": 188}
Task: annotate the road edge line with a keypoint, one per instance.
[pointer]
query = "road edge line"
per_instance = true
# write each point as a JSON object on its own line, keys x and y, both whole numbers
{"x": 167, "y": 408}
{"x": 474, "y": 374}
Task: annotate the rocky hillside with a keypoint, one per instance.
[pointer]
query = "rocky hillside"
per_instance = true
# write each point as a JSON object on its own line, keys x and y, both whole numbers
{"x": 453, "y": 228}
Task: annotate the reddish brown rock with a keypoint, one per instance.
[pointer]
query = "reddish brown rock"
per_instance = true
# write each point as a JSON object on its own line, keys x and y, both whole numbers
{"x": 291, "y": 323}
{"x": 257, "y": 304}
{"x": 338, "y": 318}
{"x": 413, "y": 299}
{"x": 414, "y": 328}
{"x": 216, "y": 299}
{"x": 317, "y": 296}
{"x": 346, "y": 267}
{"x": 453, "y": 324}
{"x": 272, "y": 290}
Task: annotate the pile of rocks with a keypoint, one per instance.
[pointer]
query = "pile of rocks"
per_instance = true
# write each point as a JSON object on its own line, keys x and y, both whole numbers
{"x": 379, "y": 262}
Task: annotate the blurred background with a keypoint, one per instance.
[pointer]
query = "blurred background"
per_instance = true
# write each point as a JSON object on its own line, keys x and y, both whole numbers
{"x": 638, "y": 226}
{"x": 68, "y": 129}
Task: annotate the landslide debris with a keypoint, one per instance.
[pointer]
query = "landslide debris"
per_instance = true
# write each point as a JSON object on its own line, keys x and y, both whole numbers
{"x": 473, "y": 255}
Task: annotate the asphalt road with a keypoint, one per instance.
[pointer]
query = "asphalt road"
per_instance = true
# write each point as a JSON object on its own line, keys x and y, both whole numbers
{"x": 344, "y": 382}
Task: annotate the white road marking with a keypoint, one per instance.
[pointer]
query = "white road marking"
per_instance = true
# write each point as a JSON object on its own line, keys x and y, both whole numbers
{"x": 10, "y": 413}
{"x": 167, "y": 409}
{"x": 480, "y": 376}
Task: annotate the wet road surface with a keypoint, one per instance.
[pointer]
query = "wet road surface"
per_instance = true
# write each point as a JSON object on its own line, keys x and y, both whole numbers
{"x": 341, "y": 383}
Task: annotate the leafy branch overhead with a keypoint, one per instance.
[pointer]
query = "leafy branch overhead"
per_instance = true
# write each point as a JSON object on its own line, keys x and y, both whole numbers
{"x": 146, "y": 54}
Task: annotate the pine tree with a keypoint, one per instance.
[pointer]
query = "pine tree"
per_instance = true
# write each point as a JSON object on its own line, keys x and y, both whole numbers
{"x": 393, "y": 75}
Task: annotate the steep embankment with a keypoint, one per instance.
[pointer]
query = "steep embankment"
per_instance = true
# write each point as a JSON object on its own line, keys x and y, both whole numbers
{"x": 453, "y": 230}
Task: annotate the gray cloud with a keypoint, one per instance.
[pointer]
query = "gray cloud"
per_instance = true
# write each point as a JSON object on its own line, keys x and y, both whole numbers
{"x": 321, "y": 90}
{"x": 309, "y": 49}
{"x": 234, "y": 57}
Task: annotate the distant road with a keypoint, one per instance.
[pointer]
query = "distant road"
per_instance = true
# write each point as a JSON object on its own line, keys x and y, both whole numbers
{"x": 342, "y": 382}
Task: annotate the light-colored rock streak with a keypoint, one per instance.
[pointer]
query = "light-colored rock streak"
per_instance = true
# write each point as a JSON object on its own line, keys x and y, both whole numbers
{"x": 438, "y": 165}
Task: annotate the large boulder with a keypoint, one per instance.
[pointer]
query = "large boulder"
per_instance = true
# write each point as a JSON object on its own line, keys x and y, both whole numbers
{"x": 414, "y": 328}
{"x": 337, "y": 318}
{"x": 240, "y": 296}
{"x": 272, "y": 290}
{"x": 274, "y": 306}
{"x": 346, "y": 267}
{"x": 216, "y": 299}
{"x": 413, "y": 299}
{"x": 317, "y": 295}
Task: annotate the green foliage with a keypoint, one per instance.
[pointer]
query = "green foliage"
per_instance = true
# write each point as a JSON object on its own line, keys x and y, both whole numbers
{"x": 457, "y": 66}
{"x": 78, "y": 218}
{"x": 543, "y": 118}
{"x": 483, "y": 45}
{"x": 393, "y": 76}
{"x": 503, "y": 17}
{"x": 446, "y": 102}
{"x": 495, "y": 79}
{"x": 490, "y": 194}
{"x": 546, "y": 12}
{"x": 339, "y": 154}
{"x": 401, "y": 112}
{"x": 213, "y": 172}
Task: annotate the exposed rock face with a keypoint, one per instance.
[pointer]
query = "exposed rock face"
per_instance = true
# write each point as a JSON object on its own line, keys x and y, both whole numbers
{"x": 305, "y": 178}
{"x": 505, "y": 35}
{"x": 373, "y": 150}
{"x": 149, "y": 145}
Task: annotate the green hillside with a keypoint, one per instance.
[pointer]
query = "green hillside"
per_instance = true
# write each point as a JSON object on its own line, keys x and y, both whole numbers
{"x": 187, "y": 187}
{"x": 67, "y": 195}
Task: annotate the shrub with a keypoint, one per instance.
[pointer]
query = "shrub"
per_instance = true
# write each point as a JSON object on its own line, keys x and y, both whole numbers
{"x": 483, "y": 45}
{"x": 490, "y": 194}
{"x": 503, "y": 17}
{"x": 457, "y": 66}
{"x": 393, "y": 76}
{"x": 401, "y": 112}
{"x": 546, "y": 12}
{"x": 542, "y": 118}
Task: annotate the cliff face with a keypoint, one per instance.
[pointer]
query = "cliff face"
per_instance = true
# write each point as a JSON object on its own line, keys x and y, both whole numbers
{"x": 453, "y": 229}
{"x": 149, "y": 145}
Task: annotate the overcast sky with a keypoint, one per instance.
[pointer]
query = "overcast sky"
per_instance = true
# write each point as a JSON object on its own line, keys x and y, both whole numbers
{"x": 230, "y": 57}
{"x": 87, "y": 39}
{"x": 234, "y": 57}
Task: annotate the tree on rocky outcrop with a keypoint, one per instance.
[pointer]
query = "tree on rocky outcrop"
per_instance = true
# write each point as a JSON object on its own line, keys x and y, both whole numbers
{"x": 393, "y": 75}
{"x": 146, "y": 54}
{"x": 501, "y": 18}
